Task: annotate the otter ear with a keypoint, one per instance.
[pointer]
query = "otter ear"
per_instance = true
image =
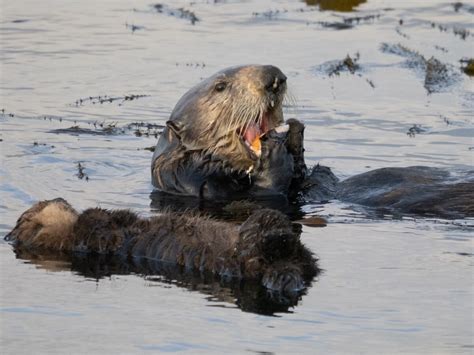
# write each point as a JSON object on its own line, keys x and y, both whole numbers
{"x": 177, "y": 130}
{"x": 175, "y": 126}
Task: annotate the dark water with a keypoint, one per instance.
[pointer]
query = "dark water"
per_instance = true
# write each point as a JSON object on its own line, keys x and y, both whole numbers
{"x": 389, "y": 285}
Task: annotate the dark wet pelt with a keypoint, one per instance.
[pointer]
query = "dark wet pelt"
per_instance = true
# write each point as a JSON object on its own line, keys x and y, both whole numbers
{"x": 377, "y": 83}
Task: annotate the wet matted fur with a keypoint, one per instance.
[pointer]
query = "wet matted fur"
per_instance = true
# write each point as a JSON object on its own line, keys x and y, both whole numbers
{"x": 265, "y": 247}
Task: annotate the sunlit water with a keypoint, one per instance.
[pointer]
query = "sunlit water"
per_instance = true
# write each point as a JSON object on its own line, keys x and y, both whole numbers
{"x": 389, "y": 286}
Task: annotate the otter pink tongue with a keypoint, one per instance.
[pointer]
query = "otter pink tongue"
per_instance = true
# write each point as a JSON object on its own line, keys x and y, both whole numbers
{"x": 251, "y": 133}
{"x": 255, "y": 130}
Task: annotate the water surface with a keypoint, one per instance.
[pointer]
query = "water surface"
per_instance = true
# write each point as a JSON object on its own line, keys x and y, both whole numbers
{"x": 388, "y": 286}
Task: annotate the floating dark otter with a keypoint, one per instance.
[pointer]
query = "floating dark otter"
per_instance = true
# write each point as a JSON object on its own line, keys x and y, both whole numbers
{"x": 226, "y": 140}
{"x": 266, "y": 247}
{"x": 418, "y": 190}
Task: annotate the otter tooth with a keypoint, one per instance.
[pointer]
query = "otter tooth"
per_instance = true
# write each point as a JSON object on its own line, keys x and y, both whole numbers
{"x": 272, "y": 103}
{"x": 275, "y": 83}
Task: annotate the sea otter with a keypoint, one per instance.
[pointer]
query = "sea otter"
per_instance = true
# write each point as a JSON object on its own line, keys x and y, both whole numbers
{"x": 265, "y": 248}
{"x": 227, "y": 139}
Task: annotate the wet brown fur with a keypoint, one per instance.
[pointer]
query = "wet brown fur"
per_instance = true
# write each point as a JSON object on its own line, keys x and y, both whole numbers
{"x": 202, "y": 142}
{"x": 266, "y": 246}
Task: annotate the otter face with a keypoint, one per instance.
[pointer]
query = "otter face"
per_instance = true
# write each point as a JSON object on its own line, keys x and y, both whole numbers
{"x": 46, "y": 224}
{"x": 227, "y": 113}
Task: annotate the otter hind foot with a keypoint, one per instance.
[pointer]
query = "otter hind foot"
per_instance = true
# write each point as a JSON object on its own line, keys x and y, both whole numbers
{"x": 270, "y": 246}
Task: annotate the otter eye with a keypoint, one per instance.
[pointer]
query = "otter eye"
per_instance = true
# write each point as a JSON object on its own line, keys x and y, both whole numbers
{"x": 220, "y": 86}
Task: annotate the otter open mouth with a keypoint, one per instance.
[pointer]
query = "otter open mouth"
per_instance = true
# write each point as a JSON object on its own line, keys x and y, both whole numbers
{"x": 252, "y": 132}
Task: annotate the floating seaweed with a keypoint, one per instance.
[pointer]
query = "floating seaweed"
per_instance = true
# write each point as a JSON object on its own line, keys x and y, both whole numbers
{"x": 336, "y": 25}
{"x": 270, "y": 14}
{"x": 190, "y": 64}
{"x": 348, "y": 64}
{"x": 402, "y": 34}
{"x": 150, "y": 149}
{"x": 461, "y": 6}
{"x": 457, "y": 31}
{"x": 37, "y": 144}
{"x": 107, "y": 99}
{"x": 81, "y": 174}
{"x": 442, "y": 49}
{"x": 414, "y": 130}
{"x": 139, "y": 129}
{"x": 98, "y": 131}
{"x": 360, "y": 19}
{"x": 179, "y": 13}
{"x": 134, "y": 28}
{"x": 437, "y": 75}
{"x": 4, "y": 113}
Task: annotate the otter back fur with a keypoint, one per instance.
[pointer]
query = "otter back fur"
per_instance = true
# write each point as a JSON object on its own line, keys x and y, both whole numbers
{"x": 265, "y": 247}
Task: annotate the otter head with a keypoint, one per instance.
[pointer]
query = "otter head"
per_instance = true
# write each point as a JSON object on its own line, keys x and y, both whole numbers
{"x": 46, "y": 224}
{"x": 226, "y": 114}
{"x": 269, "y": 248}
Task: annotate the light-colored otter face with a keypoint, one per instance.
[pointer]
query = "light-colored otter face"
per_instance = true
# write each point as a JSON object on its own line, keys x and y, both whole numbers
{"x": 227, "y": 113}
{"x": 46, "y": 224}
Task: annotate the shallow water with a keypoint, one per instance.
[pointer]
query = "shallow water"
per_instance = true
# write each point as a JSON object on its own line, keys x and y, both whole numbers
{"x": 389, "y": 285}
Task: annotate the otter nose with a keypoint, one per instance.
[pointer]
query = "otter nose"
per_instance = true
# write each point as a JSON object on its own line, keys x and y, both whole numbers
{"x": 274, "y": 79}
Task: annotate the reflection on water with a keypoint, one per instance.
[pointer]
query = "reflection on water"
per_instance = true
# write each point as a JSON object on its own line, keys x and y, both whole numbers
{"x": 228, "y": 210}
{"x": 336, "y": 5}
{"x": 248, "y": 296}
